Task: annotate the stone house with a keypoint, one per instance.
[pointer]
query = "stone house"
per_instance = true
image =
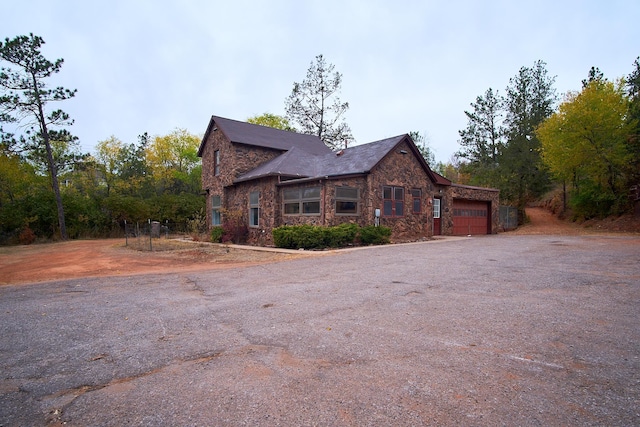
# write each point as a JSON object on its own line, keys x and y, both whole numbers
{"x": 269, "y": 177}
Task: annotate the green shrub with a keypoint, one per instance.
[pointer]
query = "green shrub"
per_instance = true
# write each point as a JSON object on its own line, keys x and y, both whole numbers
{"x": 341, "y": 235}
{"x": 216, "y": 234}
{"x": 283, "y": 237}
{"x": 319, "y": 237}
{"x": 372, "y": 235}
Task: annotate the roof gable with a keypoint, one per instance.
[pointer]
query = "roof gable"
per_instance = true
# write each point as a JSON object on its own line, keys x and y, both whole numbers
{"x": 294, "y": 163}
{"x": 262, "y": 136}
{"x": 360, "y": 159}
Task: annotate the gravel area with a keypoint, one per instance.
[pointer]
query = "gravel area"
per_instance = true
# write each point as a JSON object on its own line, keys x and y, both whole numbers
{"x": 530, "y": 330}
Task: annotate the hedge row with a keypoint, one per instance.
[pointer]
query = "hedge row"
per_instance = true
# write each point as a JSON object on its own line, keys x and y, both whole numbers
{"x": 320, "y": 237}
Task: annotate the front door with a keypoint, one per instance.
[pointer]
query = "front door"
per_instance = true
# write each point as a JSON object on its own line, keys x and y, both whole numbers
{"x": 437, "y": 227}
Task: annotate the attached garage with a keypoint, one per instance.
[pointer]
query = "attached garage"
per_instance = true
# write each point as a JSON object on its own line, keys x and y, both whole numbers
{"x": 471, "y": 217}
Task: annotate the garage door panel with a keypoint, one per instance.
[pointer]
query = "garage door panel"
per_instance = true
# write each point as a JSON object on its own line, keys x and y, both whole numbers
{"x": 470, "y": 217}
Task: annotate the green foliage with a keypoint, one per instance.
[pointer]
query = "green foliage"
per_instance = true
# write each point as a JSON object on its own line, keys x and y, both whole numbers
{"x": 499, "y": 144}
{"x": 319, "y": 237}
{"x": 216, "y": 234}
{"x": 372, "y": 235}
{"x": 174, "y": 163}
{"x": 341, "y": 235}
{"x": 422, "y": 143}
{"x": 482, "y": 140}
{"x": 592, "y": 202}
{"x": 529, "y": 101}
{"x": 24, "y": 95}
{"x": 633, "y": 142}
{"x": 272, "y": 121}
{"x": 585, "y": 143}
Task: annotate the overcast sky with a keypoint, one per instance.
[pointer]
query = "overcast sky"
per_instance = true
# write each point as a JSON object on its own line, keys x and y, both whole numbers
{"x": 154, "y": 66}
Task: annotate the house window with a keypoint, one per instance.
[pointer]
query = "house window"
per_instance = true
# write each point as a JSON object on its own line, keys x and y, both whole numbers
{"x": 216, "y": 205}
{"x": 346, "y": 201}
{"x": 305, "y": 201}
{"x": 416, "y": 194}
{"x": 436, "y": 208}
{"x": 393, "y": 201}
{"x": 216, "y": 162}
{"x": 254, "y": 209}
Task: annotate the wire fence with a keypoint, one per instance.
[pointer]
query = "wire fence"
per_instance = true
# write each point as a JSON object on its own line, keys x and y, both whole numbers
{"x": 508, "y": 218}
{"x": 154, "y": 235}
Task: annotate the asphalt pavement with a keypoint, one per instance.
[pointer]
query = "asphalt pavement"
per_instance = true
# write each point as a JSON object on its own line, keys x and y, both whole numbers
{"x": 493, "y": 330}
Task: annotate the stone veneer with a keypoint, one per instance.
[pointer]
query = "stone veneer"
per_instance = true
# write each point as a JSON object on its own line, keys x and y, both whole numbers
{"x": 399, "y": 168}
{"x": 465, "y": 192}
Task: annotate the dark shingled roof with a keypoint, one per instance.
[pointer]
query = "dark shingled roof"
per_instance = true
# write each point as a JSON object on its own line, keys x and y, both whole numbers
{"x": 263, "y": 136}
{"x": 356, "y": 160}
{"x": 306, "y": 156}
{"x": 295, "y": 163}
{"x": 351, "y": 161}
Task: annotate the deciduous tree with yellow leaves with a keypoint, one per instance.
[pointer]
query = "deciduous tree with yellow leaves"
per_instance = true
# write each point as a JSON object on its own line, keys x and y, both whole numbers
{"x": 585, "y": 144}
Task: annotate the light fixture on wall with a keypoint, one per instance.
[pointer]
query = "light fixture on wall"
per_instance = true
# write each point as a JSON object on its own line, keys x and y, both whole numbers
{"x": 403, "y": 151}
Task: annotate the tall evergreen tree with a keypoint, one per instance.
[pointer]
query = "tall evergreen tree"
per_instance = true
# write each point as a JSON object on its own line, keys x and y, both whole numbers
{"x": 422, "y": 142}
{"x": 633, "y": 92}
{"x": 25, "y": 96}
{"x": 315, "y": 107}
{"x": 481, "y": 140}
{"x": 530, "y": 99}
{"x": 594, "y": 75}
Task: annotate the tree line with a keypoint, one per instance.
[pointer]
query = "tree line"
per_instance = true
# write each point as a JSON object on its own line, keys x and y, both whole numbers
{"x": 524, "y": 144}
{"x": 50, "y": 189}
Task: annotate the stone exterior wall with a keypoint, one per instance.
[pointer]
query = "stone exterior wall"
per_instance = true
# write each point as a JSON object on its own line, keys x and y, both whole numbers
{"x": 399, "y": 168}
{"x": 455, "y": 191}
{"x": 402, "y": 170}
{"x": 364, "y": 216}
{"x": 235, "y": 160}
{"x": 237, "y": 197}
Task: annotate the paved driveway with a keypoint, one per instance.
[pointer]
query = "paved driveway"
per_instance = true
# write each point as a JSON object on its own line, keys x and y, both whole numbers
{"x": 496, "y": 330}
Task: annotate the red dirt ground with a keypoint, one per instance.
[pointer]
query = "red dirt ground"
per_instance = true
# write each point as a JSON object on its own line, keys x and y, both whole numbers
{"x": 110, "y": 257}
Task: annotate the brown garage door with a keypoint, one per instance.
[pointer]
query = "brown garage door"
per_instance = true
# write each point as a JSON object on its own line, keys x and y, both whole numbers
{"x": 470, "y": 217}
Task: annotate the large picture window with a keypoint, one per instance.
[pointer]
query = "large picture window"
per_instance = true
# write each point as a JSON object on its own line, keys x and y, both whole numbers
{"x": 216, "y": 206}
{"x": 301, "y": 201}
{"x": 393, "y": 201}
{"x": 254, "y": 209}
{"x": 347, "y": 201}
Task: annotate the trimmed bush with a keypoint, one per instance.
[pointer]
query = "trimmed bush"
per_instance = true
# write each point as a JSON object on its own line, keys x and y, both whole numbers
{"x": 341, "y": 235}
{"x": 372, "y": 235}
{"x": 319, "y": 237}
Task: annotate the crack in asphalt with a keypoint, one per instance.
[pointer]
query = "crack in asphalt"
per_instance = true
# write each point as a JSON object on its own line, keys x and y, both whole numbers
{"x": 68, "y": 396}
